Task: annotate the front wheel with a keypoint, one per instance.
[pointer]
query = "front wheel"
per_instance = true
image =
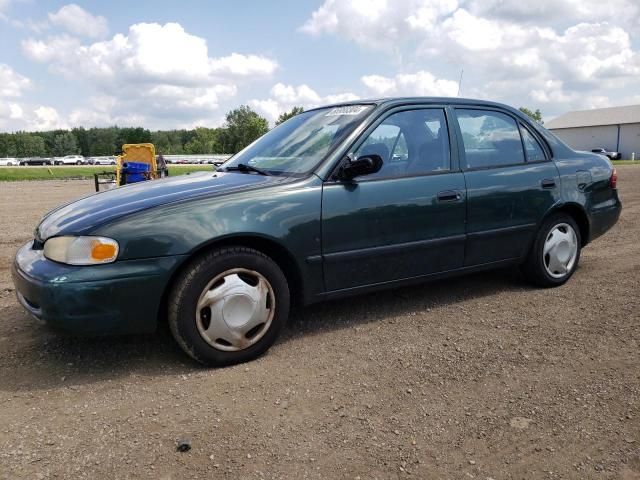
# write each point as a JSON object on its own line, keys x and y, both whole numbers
{"x": 228, "y": 306}
{"x": 555, "y": 252}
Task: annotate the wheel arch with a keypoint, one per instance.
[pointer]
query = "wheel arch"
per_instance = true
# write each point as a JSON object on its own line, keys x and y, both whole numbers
{"x": 266, "y": 245}
{"x": 578, "y": 213}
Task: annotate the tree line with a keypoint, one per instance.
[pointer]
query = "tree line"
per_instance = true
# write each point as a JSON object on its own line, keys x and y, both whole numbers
{"x": 242, "y": 126}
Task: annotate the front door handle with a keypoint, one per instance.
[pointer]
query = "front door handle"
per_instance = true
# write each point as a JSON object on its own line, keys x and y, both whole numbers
{"x": 449, "y": 196}
{"x": 548, "y": 183}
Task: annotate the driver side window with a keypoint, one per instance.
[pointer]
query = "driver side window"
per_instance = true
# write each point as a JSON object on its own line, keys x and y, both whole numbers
{"x": 411, "y": 142}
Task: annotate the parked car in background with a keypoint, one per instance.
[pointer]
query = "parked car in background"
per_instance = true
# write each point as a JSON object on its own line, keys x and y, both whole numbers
{"x": 8, "y": 162}
{"x": 36, "y": 161}
{"x": 70, "y": 160}
{"x": 101, "y": 160}
{"x": 338, "y": 200}
{"x": 608, "y": 154}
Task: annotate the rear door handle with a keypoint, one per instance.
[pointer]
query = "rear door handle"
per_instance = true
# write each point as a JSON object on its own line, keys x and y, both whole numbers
{"x": 548, "y": 183}
{"x": 449, "y": 196}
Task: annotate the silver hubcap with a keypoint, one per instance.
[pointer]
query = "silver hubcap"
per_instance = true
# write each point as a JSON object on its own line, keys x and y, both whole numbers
{"x": 560, "y": 250}
{"x": 235, "y": 309}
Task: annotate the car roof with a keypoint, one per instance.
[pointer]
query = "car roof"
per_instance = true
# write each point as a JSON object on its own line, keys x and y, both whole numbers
{"x": 393, "y": 101}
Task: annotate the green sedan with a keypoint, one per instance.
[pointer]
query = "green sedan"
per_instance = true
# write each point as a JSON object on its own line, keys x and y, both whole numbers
{"x": 336, "y": 201}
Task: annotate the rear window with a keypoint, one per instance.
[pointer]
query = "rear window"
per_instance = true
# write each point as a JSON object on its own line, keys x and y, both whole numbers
{"x": 490, "y": 138}
{"x": 532, "y": 147}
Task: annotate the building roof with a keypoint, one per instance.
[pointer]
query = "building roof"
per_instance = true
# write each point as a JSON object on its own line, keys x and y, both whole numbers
{"x": 596, "y": 116}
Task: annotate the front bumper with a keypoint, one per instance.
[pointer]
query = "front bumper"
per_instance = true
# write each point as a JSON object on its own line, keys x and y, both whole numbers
{"x": 117, "y": 298}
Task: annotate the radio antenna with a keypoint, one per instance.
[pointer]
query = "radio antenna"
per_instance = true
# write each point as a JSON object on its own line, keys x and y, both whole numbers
{"x": 460, "y": 81}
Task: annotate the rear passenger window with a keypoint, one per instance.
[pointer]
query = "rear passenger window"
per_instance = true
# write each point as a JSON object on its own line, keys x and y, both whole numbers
{"x": 491, "y": 139}
{"x": 531, "y": 146}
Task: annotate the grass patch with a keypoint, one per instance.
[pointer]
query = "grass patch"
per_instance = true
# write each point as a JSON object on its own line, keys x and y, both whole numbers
{"x": 13, "y": 174}
{"x": 626, "y": 162}
{"x": 182, "y": 169}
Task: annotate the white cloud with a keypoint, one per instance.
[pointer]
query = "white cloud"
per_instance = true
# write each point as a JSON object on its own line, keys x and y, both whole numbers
{"x": 560, "y": 54}
{"x": 373, "y": 23}
{"x": 78, "y": 21}
{"x": 284, "y": 97}
{"x": 149, "y": 53}
{"x": 420, "y": 83}
{"x": 19, "y": 116}
{"x": 12, "y": 84}
{"x": 15, "y": 113}
{"x": 301, "y": 95}
{"x": 4, "y": 7}
{"x": 560, "y": 12}
{"x": 376, "y": 23}
{"x": 46, "y": 118}
{"x": 341, "y": 97}
{"x": 161, "y": 72}
{"x": 242, "y": 65}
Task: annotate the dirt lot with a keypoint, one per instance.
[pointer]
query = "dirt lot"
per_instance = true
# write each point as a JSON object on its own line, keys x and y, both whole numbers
{"x": 479, "y": 377}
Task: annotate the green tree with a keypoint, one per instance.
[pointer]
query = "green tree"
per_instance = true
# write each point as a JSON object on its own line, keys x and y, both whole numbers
{"x": 102, "y": 141}
{"x": 7, "y": 145}
{"x": 132, "y": 135}
{"x": 205, "y": 140}
{"x": 535, "y": 116}
{"x": 82, "y": 141}
{"x": 242, "y": 127}
{"x": 290, "y": 114}
{"x": 161, "y": 141}
{"x": 64, "y": 144}
{"x": 29, "y": 145}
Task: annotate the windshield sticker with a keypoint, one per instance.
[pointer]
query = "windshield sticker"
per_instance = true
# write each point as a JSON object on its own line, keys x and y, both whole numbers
{"x": 349, "y": 110}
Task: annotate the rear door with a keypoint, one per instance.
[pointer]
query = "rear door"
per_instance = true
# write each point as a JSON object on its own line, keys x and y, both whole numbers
{"x": 511, "y": 183}
{"x": 405, "y": 221}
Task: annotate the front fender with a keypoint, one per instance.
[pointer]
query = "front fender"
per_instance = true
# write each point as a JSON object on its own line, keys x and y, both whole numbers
{"x": 287, "y": 214}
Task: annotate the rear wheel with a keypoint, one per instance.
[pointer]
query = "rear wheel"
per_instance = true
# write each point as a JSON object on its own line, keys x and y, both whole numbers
{"x": 555, "y": 253}
{"x": 228, "y": 306}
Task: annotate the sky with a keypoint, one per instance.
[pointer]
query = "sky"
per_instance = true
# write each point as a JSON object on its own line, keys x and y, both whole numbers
{"x": 166, "y": 64}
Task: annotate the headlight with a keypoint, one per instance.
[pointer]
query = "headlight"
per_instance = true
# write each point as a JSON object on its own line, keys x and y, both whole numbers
{"x": 81, "y": 250}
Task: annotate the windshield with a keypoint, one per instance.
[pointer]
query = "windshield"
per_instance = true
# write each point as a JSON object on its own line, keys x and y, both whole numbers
{"x": 299, "y": 144}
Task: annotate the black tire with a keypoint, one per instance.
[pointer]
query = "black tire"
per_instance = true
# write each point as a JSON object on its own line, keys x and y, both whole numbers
{"x": 534, "y": 268}
{"x": 192, "y": 281}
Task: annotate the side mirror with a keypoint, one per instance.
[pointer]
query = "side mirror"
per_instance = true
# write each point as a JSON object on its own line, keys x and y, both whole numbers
{"x": 364, "y": 165}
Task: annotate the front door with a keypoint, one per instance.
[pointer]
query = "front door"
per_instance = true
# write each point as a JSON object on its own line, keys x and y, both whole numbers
{"x": 408, "y": 219}
{"x": 511, "y": 184}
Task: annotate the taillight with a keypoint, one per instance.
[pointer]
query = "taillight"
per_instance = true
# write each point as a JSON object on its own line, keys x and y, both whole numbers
{"x": 613, "y": 181}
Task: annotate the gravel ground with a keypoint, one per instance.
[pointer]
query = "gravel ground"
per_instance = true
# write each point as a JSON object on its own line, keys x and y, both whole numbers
{"x": 476, "y": 377}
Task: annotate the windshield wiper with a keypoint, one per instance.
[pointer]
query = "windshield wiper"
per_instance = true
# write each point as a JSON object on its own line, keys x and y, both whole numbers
{"x": 244, "y": 168}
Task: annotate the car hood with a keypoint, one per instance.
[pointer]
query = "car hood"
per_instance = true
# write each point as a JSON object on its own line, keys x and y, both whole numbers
{"x": 97, "y": 209}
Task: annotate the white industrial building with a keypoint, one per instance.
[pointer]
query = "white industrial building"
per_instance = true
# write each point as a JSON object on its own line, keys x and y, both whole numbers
{"x": 614, "y": 129}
